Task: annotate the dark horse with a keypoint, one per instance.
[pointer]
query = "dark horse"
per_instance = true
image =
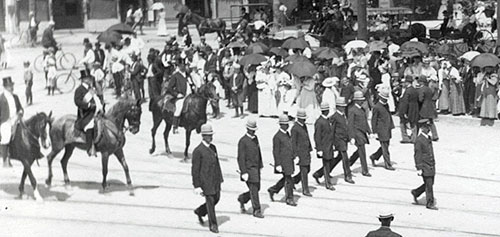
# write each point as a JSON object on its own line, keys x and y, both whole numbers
{"x": 205, "y": 25}
{"x": 192, "y": 117}
{"x": 25, "y": 147}
{"x": 110, "y": 138}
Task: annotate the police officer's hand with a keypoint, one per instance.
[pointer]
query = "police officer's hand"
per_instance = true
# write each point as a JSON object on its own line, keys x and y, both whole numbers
{"x": 244, "y": 177}
{"x": 353, "y": 141}
{"x": 419, "y": 172}
{"x": 319, "y": 153}
{"x": 198, "y": 191}
{"x": 279, "y": 169}
{"x": 180, "y": 95}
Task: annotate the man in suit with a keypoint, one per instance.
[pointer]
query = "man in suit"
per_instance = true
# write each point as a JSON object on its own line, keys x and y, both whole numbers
{"x": 358, "y": 130}
{"x": 207, "y": 177}
{"x": 403, "y": 109}
{"x": 88, "y": 106}
{"x": 283, "y": 161}
{"x": 211, "y": 63}
{"x": 302, "y": 148}
{"x": 250, "y": 163}
{"x": 427, "y": 106}
{"x": 412, "y": 113}
{"x": 236, "y": 83}
{"x": 425, "y": 164}
{"x": 341, "y": 138}
{"x": 100, "y": 56}
{"x": 11, "y": 112}
{"x": 323, "y": 138}
{"x": 385, "y": 230}
{"x": 179, "y": 86}
{"x": 382, "y": 126}
{"x": 48, "y": 37}
{"x": 136, "y": 76}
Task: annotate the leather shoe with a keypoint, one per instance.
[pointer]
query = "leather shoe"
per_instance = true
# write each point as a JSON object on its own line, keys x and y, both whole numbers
{"x": 271, "y": 195}
{"x": 200, "y": 218}
{"x": 432, "y": 208}
{"x": 389, "y": 168}
{"x": 367, "y": 175}
{"x": 307, "y": 194}
{"x": 349, "y": 180}
{"x": 242, "y": 207}
{"x": 258, "y": 214}
{"x": 317, "y": 179}
{"x": 330, "y": 187}
{"x": 214, "y": 229}
{"x": 415, "y": 198}
{"x": 291, "y": 203}
{"x": 373, "y": 161}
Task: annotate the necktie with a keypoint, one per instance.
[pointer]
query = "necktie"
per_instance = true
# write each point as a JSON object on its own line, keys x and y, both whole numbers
{"x": 288, "y": 134}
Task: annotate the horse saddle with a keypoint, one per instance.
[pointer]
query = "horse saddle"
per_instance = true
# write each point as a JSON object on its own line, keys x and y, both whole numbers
{"x": 167, "y": 103}
{"x": 79, "y": 136}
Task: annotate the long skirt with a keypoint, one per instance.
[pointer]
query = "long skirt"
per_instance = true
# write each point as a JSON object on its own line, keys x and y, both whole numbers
{"x": 267, "y": 103}
{"x": 252, "y": 98}
{"x": 457, "y": 104}
{"x": 444, "y": 97}
{"x": 489, "y": 106}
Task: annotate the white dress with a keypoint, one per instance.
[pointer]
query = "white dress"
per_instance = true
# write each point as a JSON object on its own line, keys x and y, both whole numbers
{"x": 266, "y": 85}
{"x": 386, "y": 85}
{"x": 162, "y": 24}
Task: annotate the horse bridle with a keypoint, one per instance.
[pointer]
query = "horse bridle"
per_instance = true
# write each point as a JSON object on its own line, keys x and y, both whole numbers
{"x": 133, "y": 109}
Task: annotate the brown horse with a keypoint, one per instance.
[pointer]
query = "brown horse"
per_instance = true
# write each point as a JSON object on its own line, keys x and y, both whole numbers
{"x": 25, "y": 147}
{"x": 110, "y": 139}
{"x": 192, "y": 117}
{"x": 205, "y": 25}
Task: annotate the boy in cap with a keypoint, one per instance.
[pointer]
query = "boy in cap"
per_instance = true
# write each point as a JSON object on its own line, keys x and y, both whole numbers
{"x": 385, "y": 230}
{"x": 283, "y": 161}
{"x": 323, "y": 138}
{"x": 425, "y": 164}
{"x": 358, "y": 130}
{"x": 250, "y": 164}
{"x": 11, "y": 111}
{"x": 382, "y": 126}
{"x": 302, "y": 150}
{"x": 207, "y": 176}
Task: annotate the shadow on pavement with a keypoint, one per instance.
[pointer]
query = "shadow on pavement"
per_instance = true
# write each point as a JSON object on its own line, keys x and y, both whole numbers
{"x": 113, "y": 186}
{"x": 13, "y": 189}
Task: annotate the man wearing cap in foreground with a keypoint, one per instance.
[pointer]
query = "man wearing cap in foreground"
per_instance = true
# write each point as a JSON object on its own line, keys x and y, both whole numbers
{"x": 88, "y": 105}
{"x": 358, "y": 130}
{"x": 382, "y": 126}
{"x": 250, "y": 163}
{"x": 385, "y": 229}
{"x": 283, "y": 161}
{"x": 323, "y": 138}
{"x": 341, "y": 138}
{"x": 302, "y": 148}
{"x": 425, "y": 164}
{"x": 207, "y": 177}
{"x": 11, "y": 112}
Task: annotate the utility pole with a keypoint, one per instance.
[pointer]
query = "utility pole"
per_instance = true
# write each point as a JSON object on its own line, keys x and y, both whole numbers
{"x": 498, "y": 28}
{"x": 362, "y": 20}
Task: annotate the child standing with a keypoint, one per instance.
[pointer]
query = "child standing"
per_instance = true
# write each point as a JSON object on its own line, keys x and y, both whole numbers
{"x": 98, "y": 75}
{"x": 28, "y": 81}
{"x": 50, "y": 65}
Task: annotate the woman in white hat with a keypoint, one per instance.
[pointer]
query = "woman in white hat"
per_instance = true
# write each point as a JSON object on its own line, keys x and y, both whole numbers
{"x": 386, "y": 85}
{"x": 308, "y": 100}
{"x": 330, "y": 93}
{"x": 266, "y": 84}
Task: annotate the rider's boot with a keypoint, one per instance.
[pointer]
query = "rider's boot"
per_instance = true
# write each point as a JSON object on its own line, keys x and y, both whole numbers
{"x": 176, "y": 124}
{"x": 5, "y": 156}
{"x": 90, "y": 138}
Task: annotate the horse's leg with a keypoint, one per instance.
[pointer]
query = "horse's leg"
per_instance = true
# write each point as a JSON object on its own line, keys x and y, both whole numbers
{"x": 21, "y": 185}
{"x": 168, "y": 126}
{"x": 188, "y": 142}
{"x": 104, "y": 160}
{"x": 68, "y": 151}
{"x": 50, "y": 159}
{"x": 121, "y": 158}
{"x": 27, "y": 169}
{"x": 156, "y": 124}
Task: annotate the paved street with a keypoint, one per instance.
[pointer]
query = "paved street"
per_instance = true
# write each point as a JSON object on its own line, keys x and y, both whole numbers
{"x": 466, "y": 185}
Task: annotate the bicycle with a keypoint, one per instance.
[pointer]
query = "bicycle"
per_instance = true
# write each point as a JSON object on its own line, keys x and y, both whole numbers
{"x": 64, "y": 59}
{"x": 66, "y": 81}
{"x": 22, "y": 39}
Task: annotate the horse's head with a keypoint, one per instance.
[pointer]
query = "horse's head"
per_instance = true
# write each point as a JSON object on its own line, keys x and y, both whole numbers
{"x": 133, "y": 117}
{"x": 40, "y": 125}
{"x": 187, "y": 17}
{"x": 207, "y": 91}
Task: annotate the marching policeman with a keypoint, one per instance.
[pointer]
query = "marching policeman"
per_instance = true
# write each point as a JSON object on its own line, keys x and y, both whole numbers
{"x": 302, "y": 149}
{"x": 359, "y": 129}
{"x": 323, "y": 138}
{"x": 382, "y": 126}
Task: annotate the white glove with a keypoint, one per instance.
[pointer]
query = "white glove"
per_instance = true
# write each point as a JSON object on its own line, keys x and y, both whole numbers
{"x": 244, "y": 177}
{"x": 180, "y": 95}
{"x": 419, "y": 172}
{"x": 352, "y": 141}
{"x": 319, "y": 153}
{"x": 198, "y": 191}
{"x": 279, "y": 169}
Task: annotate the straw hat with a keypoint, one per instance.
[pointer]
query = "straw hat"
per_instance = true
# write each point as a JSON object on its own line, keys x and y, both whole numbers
{"x": 358, "y": 96}
{"x": 340, "y": 101}
{"x": 283, "y": 119}
{"x": 324, "y": 106}
{"x": 252, "y": 124}
{"x": 206, "y": 129}
{"x": 330, "y": 81}
{"x": 385, "y": 215}
{"x": 384, "y": 94}
{"x": 301, "y": 114}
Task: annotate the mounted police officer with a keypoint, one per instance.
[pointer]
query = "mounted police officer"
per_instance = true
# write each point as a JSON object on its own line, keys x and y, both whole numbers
{"x": 179, "y": 86}
{"x": 10, "y": 113}
{"x": 89, "y": 105}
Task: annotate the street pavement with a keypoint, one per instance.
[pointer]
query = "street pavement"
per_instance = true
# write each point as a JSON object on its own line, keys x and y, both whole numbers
{"x": 466, "y": 184}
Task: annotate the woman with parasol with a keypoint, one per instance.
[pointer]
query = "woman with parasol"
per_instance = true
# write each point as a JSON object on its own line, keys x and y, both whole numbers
{"x": 445, "y": 75}
{"x": 487, "y": 80}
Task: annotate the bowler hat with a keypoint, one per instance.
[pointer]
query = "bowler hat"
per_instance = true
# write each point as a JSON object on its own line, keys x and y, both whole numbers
{"x": 252, "y": 124}
{"x": 206, "y": 129}
{"x": 324, "y": 106}
{"x": 301, "y": 114}
{"x": 340, "y": 101}
{"x": 385, "y": 215}
{"x": 384, "y": 94}
{"x": 283, "y": 119}
{"x": 7, "y": 81}
{"x": 424, "y": 121}
{"x": 358, "y": 96}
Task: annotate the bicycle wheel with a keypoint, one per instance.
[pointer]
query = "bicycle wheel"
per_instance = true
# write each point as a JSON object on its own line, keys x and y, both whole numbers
{"x": 65, "y": 82}
{"x": 67, "y": 60}
{"x": 38, "y": 63}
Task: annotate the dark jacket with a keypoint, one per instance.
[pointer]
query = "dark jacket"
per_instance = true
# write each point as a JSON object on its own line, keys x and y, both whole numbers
{"x": 283, "y": 152}
{"x": 237, "y": 81}
{"x": 382, "y": 123}
{"x": 357, "y": 125}
{"x": 403, "y": 107}
{"x": 413, "y": 109}
{"x": 427, "y": 106}
{"x": 205, "y": 170}
{"x": 100, "y": 56}
{"x": 136, "y": 71}
{"x": 86, "y": 110}
{"x": 424, "y": 156}
{"x": 177, "y": 84}
{"x": 301, "y": 144}
{"x": 323, "y": 137}
{"x": 341, "y": 135}
{"x": 211, "y": 64}
{"x": 4, "y": 107}
{"x": 250, "y": 158}
{"x": 383, "y": 232}
{"x": 48, "y": 39}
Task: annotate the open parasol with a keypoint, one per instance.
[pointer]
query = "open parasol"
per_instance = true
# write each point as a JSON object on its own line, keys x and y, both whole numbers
{"x": 377, "y": 46}
{"x": 485, "y": 60}
{"x": 301, "y": 69}
{"x": 295, "y": 43}
{"x": 252, "y": 59}
{"x": 325, "y": 53}
{"x": 422, "y": 47}
{"x": 108, "y": 37}
{"x": 278, "y": 52}
{"x": 469, "y": 55}
{"x": 121, "y": 28}
{"x": 257, "y": 47}
{"x": 157, "y": 6}
{"x": 410, "y": 53}
{"x": 355, "y": 44}
{"x": 296, "y": 58}
{"x": 237, "y": 44}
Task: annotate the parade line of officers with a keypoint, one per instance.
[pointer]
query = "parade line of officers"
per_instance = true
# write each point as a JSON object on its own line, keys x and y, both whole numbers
{"x": 290, "y": 146}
